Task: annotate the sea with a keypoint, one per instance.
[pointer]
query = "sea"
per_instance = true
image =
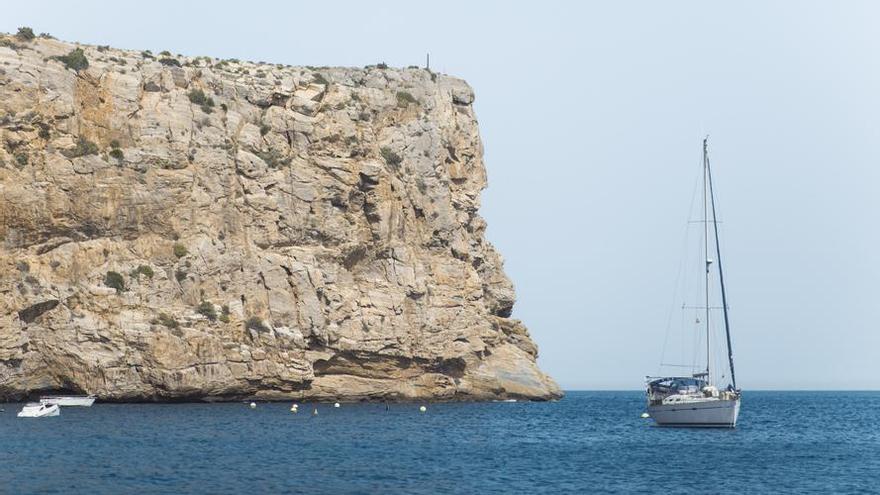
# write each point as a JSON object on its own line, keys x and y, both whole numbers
{"x": 588, "y": 442}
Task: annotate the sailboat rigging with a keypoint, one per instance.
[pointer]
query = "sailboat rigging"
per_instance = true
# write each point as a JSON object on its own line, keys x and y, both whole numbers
{"x": 695, "y": 401}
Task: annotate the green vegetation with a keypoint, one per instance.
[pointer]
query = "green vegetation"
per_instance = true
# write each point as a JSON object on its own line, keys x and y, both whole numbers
{"x": 180, "y": 250}
{"x": 198, "y": 97}
{"x": 10, "y": 44}
{"x": 21, "y": 159}
{"x": 254, "y": 323}
{"x": 75, "y": 60}
{"x": 391, "y": 158}
{"x": 320, "y": 79}
{"x": 224, "y": 314}
{"x": 180, "y": 275}
{"x": 207, "y": 310}
{"x": 143, "y": 270}
{"x": 173, "y": 62}
{"x": 273, "y": 158}
{"x": 115, "y": 152}
{"x": 381, "y": 65}
{"x": 166, "y": 320}
{"x": 83, "y": 147}
{"x": 114, "y": 280}
{"x": 404, "y": 99}
{"x": 25, "y": 34}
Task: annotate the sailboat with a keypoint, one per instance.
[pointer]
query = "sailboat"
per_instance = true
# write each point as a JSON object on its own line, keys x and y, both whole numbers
{"x": 695, "y": 400}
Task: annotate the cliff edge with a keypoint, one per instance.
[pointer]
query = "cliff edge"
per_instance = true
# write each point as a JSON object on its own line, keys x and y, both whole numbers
{"x": 188, "y": 228}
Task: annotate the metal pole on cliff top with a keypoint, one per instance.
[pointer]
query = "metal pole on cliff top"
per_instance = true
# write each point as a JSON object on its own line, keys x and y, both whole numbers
{"x": 428, "y": 61}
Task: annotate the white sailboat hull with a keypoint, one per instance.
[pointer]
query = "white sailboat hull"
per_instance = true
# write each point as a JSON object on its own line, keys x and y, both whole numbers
{"x": 69, "y": 400}
{"x": 705, "y": 413}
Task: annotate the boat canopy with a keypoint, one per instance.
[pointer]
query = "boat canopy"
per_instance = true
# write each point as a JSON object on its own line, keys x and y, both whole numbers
{"x": 681, "y": 385}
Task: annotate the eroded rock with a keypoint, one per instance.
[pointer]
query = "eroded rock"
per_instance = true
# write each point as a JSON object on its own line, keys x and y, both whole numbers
{"x": 278, "y": 232}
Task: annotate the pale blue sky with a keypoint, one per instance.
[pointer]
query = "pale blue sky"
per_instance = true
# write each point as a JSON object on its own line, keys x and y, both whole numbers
{"x": 592, "y": 115}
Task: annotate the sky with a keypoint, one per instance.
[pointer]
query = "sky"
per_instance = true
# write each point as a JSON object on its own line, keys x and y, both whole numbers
{"x": 592, "y": 116}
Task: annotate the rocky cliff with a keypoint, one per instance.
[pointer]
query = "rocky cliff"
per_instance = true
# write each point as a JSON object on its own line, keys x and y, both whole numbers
{"x": 178, "y": 228}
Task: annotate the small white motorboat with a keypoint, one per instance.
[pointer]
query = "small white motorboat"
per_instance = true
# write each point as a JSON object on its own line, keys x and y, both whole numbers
{"x": 37, "y": 410}
{"x": 68, "y": 400}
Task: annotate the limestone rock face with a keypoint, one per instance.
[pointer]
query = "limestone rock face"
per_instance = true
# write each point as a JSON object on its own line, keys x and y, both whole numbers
{"x": 179, "y": 228}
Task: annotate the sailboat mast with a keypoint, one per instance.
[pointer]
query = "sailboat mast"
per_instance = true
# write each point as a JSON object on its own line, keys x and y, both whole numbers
{"x": 706, "y": 252}
{"x": 720, "y": 274}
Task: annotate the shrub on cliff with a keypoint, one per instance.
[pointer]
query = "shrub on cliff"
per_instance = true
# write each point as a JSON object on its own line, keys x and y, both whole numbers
{"x": 114, "y": 280}
{"x": 180, "y": 250}
{"x": 198, "y": 97}
{"x": 75, "y": 60}
{"x": 391, "y": 158}
{"x": 166, "y": 320}
{"x": 254, "y": 323}
{"x": 21, "y": 159}
{"x": 404, "y": 99}
{"x": 145, "y": 270}
{"x": 10, "y": 44}
{"x": 273, "y": 158}
{"x": 224, "y": 314}
{"x": 83, "y": 147}
{"x": 172, "y": 62}
{"x": 25, "y": 34}
{"x": 207, "y": 310}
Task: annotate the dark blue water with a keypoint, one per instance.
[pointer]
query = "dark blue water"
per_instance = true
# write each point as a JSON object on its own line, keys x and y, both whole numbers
{"x": 787, "y": 442}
